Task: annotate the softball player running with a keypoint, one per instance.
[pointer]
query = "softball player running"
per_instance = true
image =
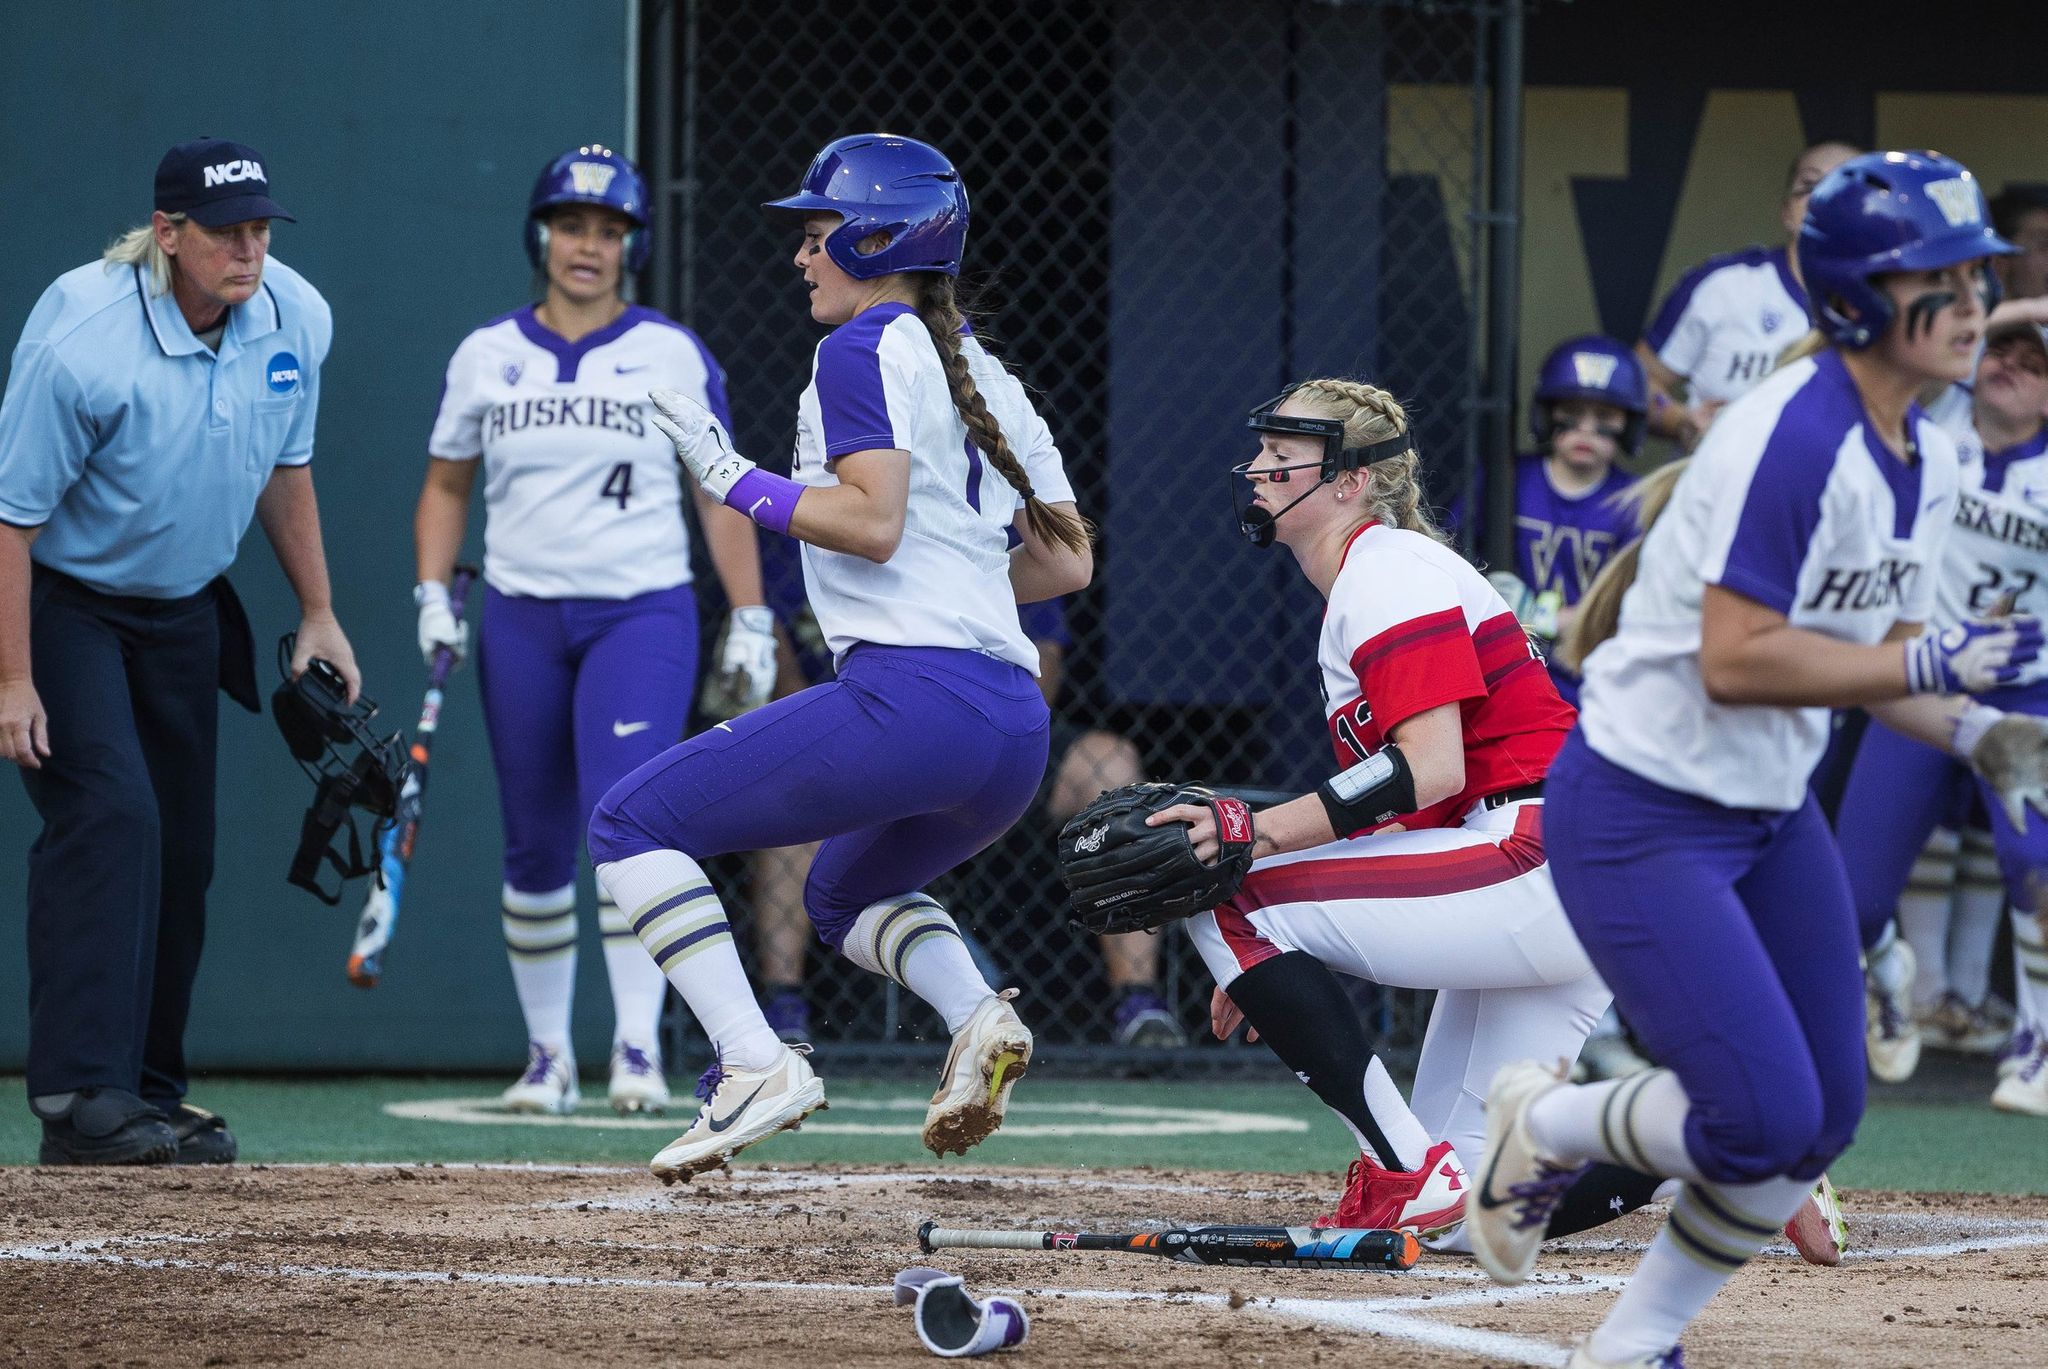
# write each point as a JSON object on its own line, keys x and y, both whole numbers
{"x": 589, "y": 644}
{"x": 1443, "y": 721}
{"x": 917, "y": 454}
{"x": 1790, "y": 572}
{"x": 1997, "y": 549}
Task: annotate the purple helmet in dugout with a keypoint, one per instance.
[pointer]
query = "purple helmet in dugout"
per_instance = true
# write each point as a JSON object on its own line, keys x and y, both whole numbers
{"x": 1884, "y": 212}
{"x": 881, "y": 183}
{"x": 1597, "y": 370}
{"x": 597, "y": 176}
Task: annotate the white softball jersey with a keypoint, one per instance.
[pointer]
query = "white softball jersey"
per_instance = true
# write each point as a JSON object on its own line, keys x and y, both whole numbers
{"x": 582, "y": 495}
{"x": 877, "y": 384}
{"x": 1727, "y": 321}
{"x": 1791, "y": 502}
{"x": 1998, "y": 544}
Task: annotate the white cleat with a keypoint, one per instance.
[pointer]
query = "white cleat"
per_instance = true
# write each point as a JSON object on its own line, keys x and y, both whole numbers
{"x": 740, "y": 1108}
{"x": 549, "y": 1084}
{"x": 1518, "y": 1186}
{"x": 637, "y": 1083}
{"x": 1582, "y": 1358}
{"x": 1891, "y": 1037}
{"x": 2025, "y": 1089}
{"x": 989, "y": 1055}
{"x": 1817, "y": 1230}
{"x": 2018, "y": 1050}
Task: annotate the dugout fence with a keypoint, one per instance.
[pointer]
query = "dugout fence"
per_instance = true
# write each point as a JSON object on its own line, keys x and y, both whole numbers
{"x": 1179, "y": 207}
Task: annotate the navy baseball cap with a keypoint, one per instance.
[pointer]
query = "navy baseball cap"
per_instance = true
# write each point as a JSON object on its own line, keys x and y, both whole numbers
{"x": 216, "y": 183}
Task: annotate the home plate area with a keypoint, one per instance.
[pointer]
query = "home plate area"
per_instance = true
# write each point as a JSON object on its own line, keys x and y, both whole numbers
{"x": 515, "y": 1265}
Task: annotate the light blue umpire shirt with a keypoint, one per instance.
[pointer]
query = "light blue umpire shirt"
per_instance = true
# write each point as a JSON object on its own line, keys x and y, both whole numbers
{"x": 139, "y": 451}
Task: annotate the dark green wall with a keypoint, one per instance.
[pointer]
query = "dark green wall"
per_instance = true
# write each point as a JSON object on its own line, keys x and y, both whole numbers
{"x": 405, "y": 138}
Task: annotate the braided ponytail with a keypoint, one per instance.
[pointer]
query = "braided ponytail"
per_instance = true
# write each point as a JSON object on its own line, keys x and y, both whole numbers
{"x": 1393, "y": 493}
{"x": 939, "y": 311}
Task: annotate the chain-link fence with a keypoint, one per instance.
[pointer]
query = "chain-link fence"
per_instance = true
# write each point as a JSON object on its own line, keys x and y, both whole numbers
{"x": 1179, "y": 207}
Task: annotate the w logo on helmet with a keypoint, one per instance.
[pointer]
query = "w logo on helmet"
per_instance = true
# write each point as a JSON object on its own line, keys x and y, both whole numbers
{"x": 1595, "y": 370}
{"x": 591, "y": 178}
{"x": 1957, "y": 199}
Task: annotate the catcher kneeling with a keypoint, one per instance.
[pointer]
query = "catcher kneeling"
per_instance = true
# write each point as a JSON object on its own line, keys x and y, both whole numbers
{"x": 1419, "y": 865}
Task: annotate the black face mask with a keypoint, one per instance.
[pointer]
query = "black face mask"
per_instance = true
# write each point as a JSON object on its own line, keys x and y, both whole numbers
{"x": 1255, "y": 523}
{"x": 348, "y": 764}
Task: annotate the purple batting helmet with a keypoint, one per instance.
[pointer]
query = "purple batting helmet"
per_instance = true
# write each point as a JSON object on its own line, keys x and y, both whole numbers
{"x": 1884, "y": 212}
{"x": 882, "y": 183}
{"x": 590, "y": 175}
{"x": 1592, "y": 368}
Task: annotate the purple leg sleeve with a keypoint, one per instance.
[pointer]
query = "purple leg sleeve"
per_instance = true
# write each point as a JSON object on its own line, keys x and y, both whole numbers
{"x": 1729, "y": 940}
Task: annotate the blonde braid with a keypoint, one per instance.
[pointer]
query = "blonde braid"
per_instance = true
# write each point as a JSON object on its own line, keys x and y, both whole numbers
{"x": 940, "y": 314}
{"x": 1370, "y": 414}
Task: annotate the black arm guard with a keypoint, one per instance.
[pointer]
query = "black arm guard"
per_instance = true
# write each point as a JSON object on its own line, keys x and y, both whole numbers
{"x": 1377, "y": 788}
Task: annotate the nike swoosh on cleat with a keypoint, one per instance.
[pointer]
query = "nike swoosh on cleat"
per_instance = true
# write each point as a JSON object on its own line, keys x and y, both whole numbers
{"x": 628, "y": 370}
{"x": 715, "y": 1125}
{"x": 620, "y": 729}
{"x": 1486, "y": 1200}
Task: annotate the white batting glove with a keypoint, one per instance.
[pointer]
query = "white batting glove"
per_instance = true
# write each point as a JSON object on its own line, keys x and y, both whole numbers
{"x": 748, "y": 659}
{"x": 702, "y": 444}
{"x": 438, "y": 627}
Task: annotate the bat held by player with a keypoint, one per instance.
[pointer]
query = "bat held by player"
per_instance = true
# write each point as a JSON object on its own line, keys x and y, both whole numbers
{"x": 1271, "y": 1247}
{"x": 375, "y": 928}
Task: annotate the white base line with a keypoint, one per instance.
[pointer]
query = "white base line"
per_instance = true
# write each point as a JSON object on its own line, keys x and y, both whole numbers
{"x": 1394, "y": 1316}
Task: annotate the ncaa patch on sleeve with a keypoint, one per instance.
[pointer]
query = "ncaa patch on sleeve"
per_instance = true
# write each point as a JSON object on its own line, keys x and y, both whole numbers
{"x": 281, "y": 373}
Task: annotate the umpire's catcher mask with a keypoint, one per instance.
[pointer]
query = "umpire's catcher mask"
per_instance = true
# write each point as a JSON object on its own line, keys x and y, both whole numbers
{"x": 1254, "y": 521}
{"x": 349, "y": 765}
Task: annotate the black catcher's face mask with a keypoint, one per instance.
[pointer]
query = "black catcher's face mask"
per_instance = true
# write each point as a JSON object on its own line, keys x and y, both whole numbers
{"x": 1256, "y": 522}
{"x": 349, "y": 765}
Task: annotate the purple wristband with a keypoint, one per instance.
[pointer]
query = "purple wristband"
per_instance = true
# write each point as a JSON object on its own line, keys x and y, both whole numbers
{"x": 766, "y": 498}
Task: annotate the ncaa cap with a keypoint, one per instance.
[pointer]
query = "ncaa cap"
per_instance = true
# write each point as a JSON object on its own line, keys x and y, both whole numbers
{"x": 217, "y": 183}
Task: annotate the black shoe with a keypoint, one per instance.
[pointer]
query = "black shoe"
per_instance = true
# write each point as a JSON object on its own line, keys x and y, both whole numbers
{"x": 105, "y": 1126}
{"x": 203, "y": 1138}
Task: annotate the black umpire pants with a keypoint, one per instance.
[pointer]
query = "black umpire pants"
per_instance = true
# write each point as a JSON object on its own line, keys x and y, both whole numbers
{"x": 117, "y": 878}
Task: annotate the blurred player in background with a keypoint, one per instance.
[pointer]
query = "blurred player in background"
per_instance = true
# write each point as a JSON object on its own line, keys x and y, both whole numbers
{"x": 589, "y": 643}
{"x": 1721, "y": 329}
{"x": 1996, "y": 555}
{"x": 1440, "y": 714}
{"x": 917, "y": 454}
{"x": 1790, "y": 572}
{"x": 2020, "y": 214}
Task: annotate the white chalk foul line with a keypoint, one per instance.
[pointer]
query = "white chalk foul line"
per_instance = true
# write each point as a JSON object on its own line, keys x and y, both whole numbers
{"x": 1092, "y": 1119}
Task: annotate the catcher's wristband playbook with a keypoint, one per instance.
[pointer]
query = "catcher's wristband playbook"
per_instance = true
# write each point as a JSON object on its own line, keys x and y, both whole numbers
{"x": 1377, "y": 788}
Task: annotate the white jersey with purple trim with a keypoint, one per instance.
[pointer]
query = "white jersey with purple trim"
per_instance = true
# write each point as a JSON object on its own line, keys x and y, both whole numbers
{"x": 877, "y": 384}
{"x": 582, "y": 496}
{"x": 1727, "y": 321}
{"x": 1999, "y": 544}
{"x": 1790, "y": 502}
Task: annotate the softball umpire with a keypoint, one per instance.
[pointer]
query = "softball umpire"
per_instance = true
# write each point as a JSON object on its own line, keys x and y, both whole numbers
{"x": 159, "y": 398}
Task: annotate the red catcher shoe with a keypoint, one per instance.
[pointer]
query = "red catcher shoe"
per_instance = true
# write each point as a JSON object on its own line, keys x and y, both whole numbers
{"x": 1429, "y": 1201}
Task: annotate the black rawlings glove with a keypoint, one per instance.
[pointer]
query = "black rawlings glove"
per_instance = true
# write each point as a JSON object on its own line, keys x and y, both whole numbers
{"x": 1127, "y": 877}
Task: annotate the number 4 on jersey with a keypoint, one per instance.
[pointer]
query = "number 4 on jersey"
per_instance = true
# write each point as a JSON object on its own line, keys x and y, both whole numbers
{"x": 619, "y": 484}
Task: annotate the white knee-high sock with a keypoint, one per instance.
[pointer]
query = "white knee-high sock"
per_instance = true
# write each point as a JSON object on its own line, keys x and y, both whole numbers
{"x": 638, "y": 985}
{"x": 1973, "y": 931}
{"x": 2030, "y": 966}
{"x": 1924, "y": 909}
{"x": 540, "y": 941}
{"x": 1713, "y": 1230}
{"x": 676, "y": 916}
{"x": 915, "y": 942}
{"x": 1638, "y": 1122}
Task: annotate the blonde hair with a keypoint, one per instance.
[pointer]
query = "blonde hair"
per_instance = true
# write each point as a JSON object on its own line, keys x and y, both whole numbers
{"x": 139, "y": 247}
{"x": 939, "y": 310}
{"x": 1393, "y": 485}
{"x": 1812, "y": 343}
{"x": 1600, "y": 609}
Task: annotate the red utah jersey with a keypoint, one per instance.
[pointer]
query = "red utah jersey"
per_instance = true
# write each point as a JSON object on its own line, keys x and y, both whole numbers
{"x": 1410, "y": 625}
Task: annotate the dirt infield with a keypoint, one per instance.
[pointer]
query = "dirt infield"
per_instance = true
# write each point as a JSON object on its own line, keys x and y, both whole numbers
{"x": 390, "y": 1265}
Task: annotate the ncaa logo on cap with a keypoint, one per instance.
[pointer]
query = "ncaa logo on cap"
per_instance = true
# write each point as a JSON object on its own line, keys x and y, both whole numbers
{"x": 241, "y": 169}
{"x": 281, "y": 373}
{"x": 1594, "y": 369}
